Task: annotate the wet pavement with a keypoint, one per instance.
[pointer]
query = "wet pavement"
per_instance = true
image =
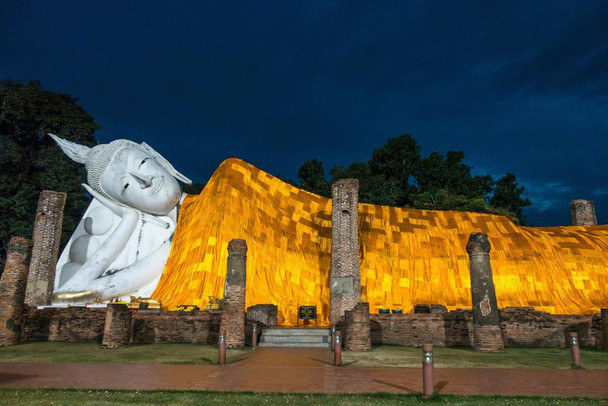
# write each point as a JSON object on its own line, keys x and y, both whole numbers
{"x": 303, "y": 370}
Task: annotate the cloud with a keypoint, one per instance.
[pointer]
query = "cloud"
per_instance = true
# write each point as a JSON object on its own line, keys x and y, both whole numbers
{"x": 572, "y": 58}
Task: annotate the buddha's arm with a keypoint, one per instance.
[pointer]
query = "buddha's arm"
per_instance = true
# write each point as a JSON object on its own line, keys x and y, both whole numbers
{"x": 107, "y": 253}
{"x": 122, "y": 282}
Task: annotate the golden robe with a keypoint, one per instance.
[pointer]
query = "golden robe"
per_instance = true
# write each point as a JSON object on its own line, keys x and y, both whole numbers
{"x": 407, "y": 256}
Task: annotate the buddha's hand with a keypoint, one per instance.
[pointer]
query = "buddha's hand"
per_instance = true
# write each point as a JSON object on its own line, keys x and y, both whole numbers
{"x": 119, "y": 209}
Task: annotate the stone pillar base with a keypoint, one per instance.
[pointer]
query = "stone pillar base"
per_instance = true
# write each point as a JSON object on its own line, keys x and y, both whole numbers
{"x": 233, "y": 316}
{"x": 12, "y": 289}
{"x": 117, "y": 330}
{"x": 358, "y": 337}
{"x": 488, "y": 338}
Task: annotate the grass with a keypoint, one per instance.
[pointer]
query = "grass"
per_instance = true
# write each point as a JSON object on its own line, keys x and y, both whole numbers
{"x": 383, "y": 355}
{"x": 112, "y": 397}
{"x": 93, "y": 353}
{"x": 443, "y": 357}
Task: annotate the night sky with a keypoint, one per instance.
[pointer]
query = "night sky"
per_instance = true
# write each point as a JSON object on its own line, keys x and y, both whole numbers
{"x": 519, "y": 86}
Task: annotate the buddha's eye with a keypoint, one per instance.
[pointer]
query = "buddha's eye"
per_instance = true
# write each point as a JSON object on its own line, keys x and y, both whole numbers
{"x": 125, "y": 187}
{"x": 143, "y": 161}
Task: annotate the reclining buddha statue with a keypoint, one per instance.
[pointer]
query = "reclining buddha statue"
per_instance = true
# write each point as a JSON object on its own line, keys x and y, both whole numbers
{"x": 121, "y": 245}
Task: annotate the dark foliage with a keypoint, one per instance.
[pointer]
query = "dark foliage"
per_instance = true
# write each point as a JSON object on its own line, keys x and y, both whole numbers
{"x": 30, "y": 161}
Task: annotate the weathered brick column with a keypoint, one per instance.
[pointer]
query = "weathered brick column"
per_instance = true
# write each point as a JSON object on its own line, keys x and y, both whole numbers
{"x": 604, "y": 325}
{"x": 233, "y": 305}
{"x": 582, "y": 213}
{"x": 46, "y": 238}
{"x": 358, "y": 337}
{"x": 345, "y": 281}
{"x": 12, "y": 289}
{"x": 117, "y": 330}
{"x": 486, "y": 320}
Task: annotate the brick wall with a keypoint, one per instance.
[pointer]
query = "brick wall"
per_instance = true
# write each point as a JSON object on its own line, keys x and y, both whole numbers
{"x": 407, "y": 329}
{"x": 459, "y": 328}
{"x": 520, "y": 327}
{"x": 173, "y": 327}
{"x": 264, "y": 315}
{"x": 65, "y": 324}
{"x": 524, "y": 327}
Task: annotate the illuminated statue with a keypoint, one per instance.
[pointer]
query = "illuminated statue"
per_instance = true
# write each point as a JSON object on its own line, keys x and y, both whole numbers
{"x": 121, "y": 245}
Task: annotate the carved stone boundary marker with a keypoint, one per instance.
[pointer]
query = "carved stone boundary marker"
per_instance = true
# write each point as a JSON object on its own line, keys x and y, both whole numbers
{"x": 486, "y": 320}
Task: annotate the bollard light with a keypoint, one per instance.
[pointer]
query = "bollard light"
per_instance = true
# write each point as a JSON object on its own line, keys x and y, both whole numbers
{"x": 222, "y": 347}
{"x": 333, "y": 337}
{"x": 427, "y": 370}
{"x": 575, "y": 349}
{"x": 338, "y": 350}
{"x": 254, "y": 336}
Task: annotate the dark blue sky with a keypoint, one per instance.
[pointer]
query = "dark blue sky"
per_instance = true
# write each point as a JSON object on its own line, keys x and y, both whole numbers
{"x": 519, "y": 86}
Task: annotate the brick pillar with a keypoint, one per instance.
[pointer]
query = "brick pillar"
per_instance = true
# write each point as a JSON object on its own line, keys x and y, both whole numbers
{"x": 117, "y": 329}
{"x": 233, "y": 305}
{"x": 486, "y": 320}
{"x": 46, "y": 238}
{"x": 12, "y": 289}
{"x": 345, "y": 281}
{"x": 604, "y": 331}
{"x": 582, "y": 213}
{"x": 358, "y": 336}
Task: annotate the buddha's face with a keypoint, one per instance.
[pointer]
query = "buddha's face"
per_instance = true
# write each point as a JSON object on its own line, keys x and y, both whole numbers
{"x": 135, "y": 179}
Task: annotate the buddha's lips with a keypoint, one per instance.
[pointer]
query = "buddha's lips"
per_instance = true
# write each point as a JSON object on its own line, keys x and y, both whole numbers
{"x": 157, "y": 184}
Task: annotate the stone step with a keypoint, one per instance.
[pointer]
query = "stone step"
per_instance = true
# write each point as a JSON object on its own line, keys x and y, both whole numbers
{"x": 295, "y": 337}
{"x": 294, "y": 345}
{"x": 287, "y": 331}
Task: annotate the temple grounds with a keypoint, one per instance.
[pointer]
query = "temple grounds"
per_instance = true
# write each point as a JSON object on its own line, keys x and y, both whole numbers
{"x": 378, "y": 356}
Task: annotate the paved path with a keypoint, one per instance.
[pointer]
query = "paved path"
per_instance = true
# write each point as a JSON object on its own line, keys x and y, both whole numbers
{"x": 303, "y": 370}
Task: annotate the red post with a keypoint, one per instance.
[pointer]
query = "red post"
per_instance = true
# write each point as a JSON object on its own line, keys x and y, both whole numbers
{"x": 427, "y": 370}
{"x": 338, "y": 350}
{"x": 333, "y": 337}
{"x": 575, "y": 349}
{"x": 254, "y": 336}
{"x": 222, "y": 347}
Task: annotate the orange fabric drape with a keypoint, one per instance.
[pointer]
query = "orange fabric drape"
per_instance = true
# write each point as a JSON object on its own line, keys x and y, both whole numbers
{"x": 407, "y": 256}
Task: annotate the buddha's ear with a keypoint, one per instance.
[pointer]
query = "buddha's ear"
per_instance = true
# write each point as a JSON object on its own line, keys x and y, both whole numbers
{"x": 76, "y": 152}
{"x": 165, "y": 164}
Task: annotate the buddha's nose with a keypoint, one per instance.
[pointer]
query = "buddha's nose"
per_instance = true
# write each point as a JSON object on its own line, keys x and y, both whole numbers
{"x": 144, "y": 182}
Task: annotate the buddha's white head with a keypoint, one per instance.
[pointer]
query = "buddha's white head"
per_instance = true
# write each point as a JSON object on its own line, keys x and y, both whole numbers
{"x": 128, "y": 173}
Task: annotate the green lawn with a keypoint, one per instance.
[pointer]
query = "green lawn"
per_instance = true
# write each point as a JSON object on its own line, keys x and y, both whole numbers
{"x": 391, "y": 355}
{"x": 384, "y": 355}
{"x": 101, "y": 397}
{"x": 93, "y": 353}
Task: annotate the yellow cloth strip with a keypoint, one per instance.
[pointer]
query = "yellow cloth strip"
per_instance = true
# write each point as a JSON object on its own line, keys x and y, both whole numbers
{"x": 407, "y": 256}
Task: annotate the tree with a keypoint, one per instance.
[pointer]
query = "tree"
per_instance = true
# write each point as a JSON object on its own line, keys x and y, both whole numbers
{"x": 396, "y": 162}
{"x": 31, "y": 162}
{"x": 373, "y": 188}
{"x": 312, "y": 178}
{"x": 447, "y": 184}
{"x": 439, "y": 183}
{"x": 508, "y": 195}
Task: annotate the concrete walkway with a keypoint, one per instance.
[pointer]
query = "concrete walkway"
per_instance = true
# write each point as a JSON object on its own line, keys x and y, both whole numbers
{"x": 303, "y": 370}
